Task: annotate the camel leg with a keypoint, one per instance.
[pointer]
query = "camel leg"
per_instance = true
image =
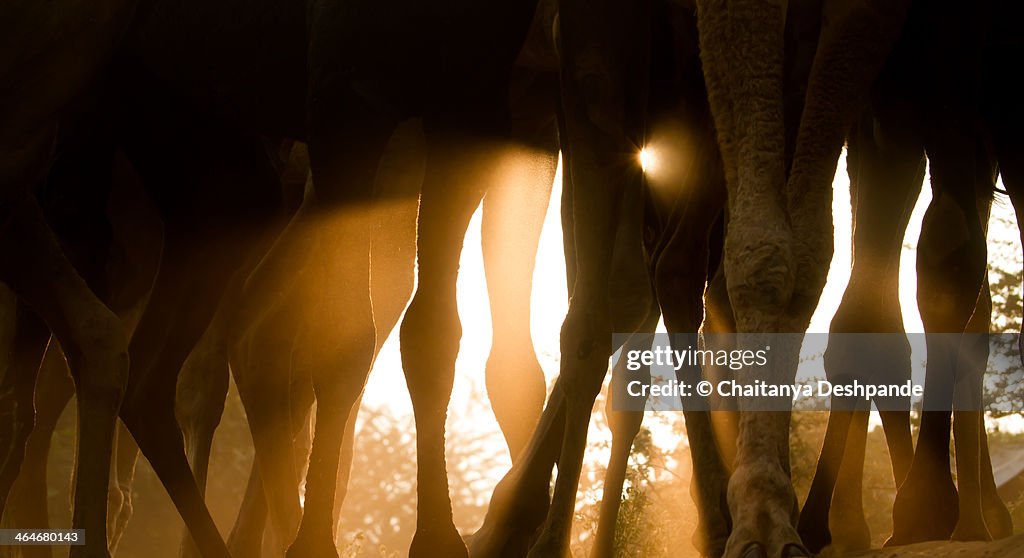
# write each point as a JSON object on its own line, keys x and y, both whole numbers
{"x": 625, "y": 425}
{"x": 514, "y": 210}
{"x": 997, "y": 516}
{"x": 1004, "y": 118}
{"x": 18, "y": 385}
{"x": 93, "y": 339}
{"x": 757, "y": 259}
{"x": 680, "y": 277}
{"x": 951, "y": 267}
{"x": 968, "y": 414}
{"x": 778, "y": 243}
{"x": 513, "y": 215}
{"x": 343, "y": 173}
{"x": 27, "y": 507}
{"x": 392, "y": 256}
{"x": 203, "y": 384}
{"x": 216, "y": 209}
{"x": 149, "y": 408}
{"x": 886, "y": 166}
{"x": 392, "y": 264}
{"x": 263, "y": 373}
{"x": 246, "y": 538}
{"x": 199, "y": 405}
{"x": 460, "y": 164}
{"x": 603, "y": 117}
{"x": 521, "y": 499}
{"x": 847, "y": 523}
{"x": 126, "y": 456}
{"x": 814, "y": 516}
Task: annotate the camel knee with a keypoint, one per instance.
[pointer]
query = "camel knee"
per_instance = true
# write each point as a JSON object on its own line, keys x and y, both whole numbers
{"x": 430, "y": 336}
{"x": 199, "y": 402}
{"x": 680, "y": 288}
{"x": 759, "y": 275}
{"x": 951, "y": 265}
{"x": 99, "y": 360}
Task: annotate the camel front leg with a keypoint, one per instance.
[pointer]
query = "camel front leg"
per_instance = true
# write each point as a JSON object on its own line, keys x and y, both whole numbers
{"x": 604, "y": 96}
{"x": 625, "y": 425}
{"x": 199, "y": 405}
{"x": 27, "y": 507}
{"x": 459, "y": 168}
{"x": 93, "y": 339}
{"x": 28, "y": 342}
{"x": 513, "y": 215}
{"x": 969, "y": 419}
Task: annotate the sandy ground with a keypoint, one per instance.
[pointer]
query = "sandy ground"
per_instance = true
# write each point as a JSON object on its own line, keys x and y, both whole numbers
{"x": 1012, "y": 547}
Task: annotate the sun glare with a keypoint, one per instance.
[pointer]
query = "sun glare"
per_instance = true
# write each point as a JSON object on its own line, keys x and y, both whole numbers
{"x": 647, "y": 160}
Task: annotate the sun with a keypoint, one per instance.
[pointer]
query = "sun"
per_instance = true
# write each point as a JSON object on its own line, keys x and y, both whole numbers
{"x": 647, "y": 159}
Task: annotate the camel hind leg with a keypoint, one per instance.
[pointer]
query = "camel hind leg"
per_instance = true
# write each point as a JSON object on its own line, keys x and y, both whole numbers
{"x": 459, "y": 162}
{"x": 885, "y": 161}
{"x": 342, "y": 336}
{"x": 93, "y": 339}
{"x": 217, "y": 194}
{"x": 513, "y": 215}
{"x": 18, "y": 384}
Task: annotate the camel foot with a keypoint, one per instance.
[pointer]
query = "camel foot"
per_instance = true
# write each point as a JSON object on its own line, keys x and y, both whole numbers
{"x": 549, "y": 545}
{"x": 926, "y": 509}
{"x": 762, "y": 523}
{"x": 850, "y": 534}
{"x": 312, "y": 545}
{"x": 998, "y": 519}
{"x": 755, "y": 550}
{"x": 442, "y": 543}
{"x": 970, "y": 530}
{"x": 813, "y": 529}
{"x": 513, "y": 518}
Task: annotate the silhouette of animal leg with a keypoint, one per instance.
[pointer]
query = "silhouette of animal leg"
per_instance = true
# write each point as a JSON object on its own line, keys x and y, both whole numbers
{"x": 262, "y": 368}
{"x": 343, "y": 176}
{"x": 93, "y": 340}
{"x": 846, "y": 521}
{"x": 1003, "y": 117}
{"x": 777, "y": 252}
{"x": 886, "y": 166}
{"x": 246, "y": 537}
{"x": 217, "y": 200}
{"x": 951, "y": 269}
{"x": 625, "y": 425}
{"x": 17, "y": 386}
{"x": 199, "y": 404}
{"x": 463, "y": 152}
{"x": 513, "y": 214}
{"x": 28, "y": 507}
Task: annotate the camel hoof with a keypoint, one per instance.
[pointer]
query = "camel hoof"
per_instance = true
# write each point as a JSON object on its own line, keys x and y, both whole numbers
{"x": 793, "y": 550}
{"x": 754, "y": 550}
{"x": 305, "y": 547}
{"x": 967, "y": 533}
{"x": 925, "y": 509}
{"x": 814, "y": 533}
{"x": 442, "y": 545}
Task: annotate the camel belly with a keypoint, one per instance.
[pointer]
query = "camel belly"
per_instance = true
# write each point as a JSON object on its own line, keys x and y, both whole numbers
{"x": 245, "y": 60}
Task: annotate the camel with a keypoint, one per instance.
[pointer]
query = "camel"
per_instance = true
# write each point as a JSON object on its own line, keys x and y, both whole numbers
{"x": 338, "y": 108}
{"x": 777, "y": 246}
{"x": 118, "y": 259}
{"x": 512, "y": 212}
{"x": 886, "y": 152}
{"x": 928, "y": 505}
